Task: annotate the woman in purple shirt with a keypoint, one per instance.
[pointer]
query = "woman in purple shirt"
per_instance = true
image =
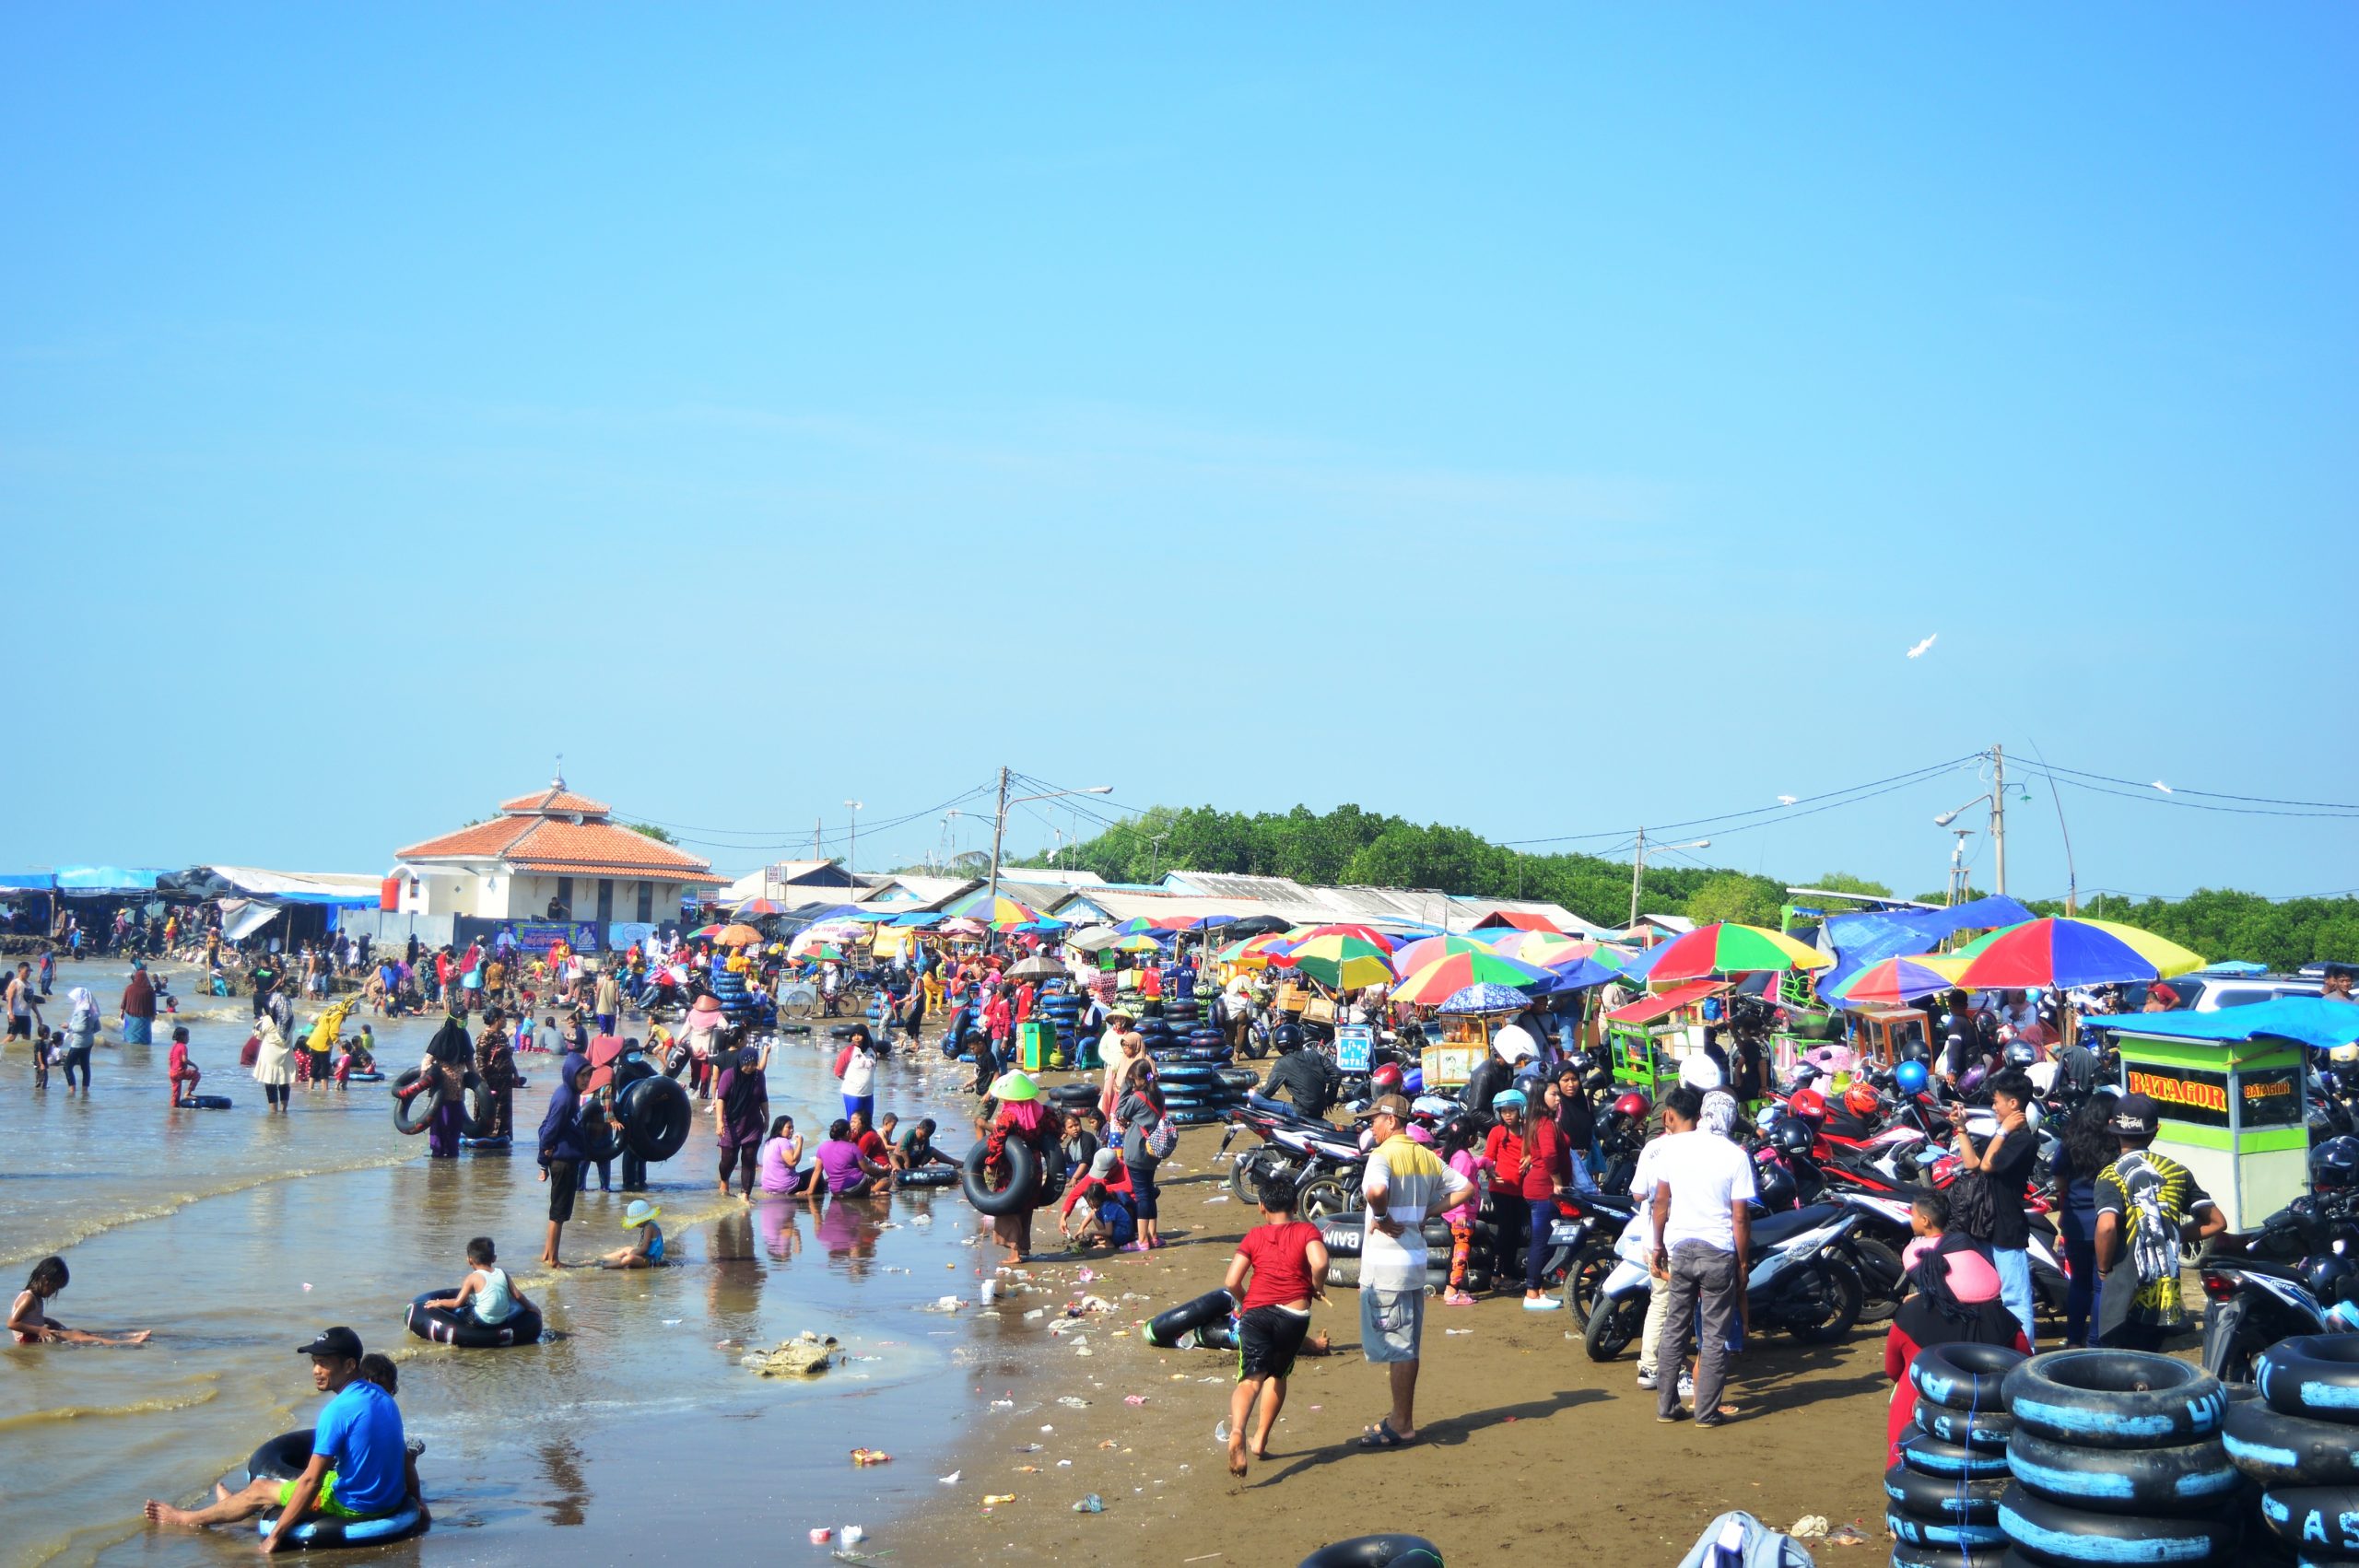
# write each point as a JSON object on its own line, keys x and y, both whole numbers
{"x": 741, "y": 1114}
{"x": 845, "y": 1171}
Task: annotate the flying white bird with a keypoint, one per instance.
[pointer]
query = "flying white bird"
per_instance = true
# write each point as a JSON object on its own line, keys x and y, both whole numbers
{"x": 1918, "y": 652}
{"x": 2163, "y": 788}
{"x": 1787, "y": 800}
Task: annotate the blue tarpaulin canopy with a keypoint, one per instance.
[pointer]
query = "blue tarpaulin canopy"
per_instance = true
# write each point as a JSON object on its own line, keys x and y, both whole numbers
{"x": 2312, "y": 1020}
{"x": 28, "y": 882}
{"x": 106, "y": 879}
{"x": 1863, "y": 940}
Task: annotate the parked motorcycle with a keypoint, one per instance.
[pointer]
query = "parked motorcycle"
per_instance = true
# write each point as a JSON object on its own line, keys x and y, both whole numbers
{"x": 1802, "y": 1278}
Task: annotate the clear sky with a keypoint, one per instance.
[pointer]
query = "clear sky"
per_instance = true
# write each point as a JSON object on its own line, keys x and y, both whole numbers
{"x": 1538, "y": 419}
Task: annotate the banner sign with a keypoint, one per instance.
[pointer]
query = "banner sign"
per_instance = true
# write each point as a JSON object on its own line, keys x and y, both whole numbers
{"x": 539, "y": 936}
{"x": 1354, "y": 1047}
{"x": 2271, "y": 1097}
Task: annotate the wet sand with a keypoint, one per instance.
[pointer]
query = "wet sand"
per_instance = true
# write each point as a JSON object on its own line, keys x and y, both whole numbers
{"x": 1527, "y": 1447}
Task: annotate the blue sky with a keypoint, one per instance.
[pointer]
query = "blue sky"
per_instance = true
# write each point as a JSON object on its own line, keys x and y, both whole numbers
{"x": 1541, "y": 420}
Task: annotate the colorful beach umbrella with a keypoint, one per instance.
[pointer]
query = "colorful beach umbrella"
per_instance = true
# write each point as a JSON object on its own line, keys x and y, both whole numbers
{"x": 1725, "y": 947}
{"x": 820, "y": 953}
{"x": 704, "y": 933}
{"x": 1447, "y": 975}
{"x": 1338, "y": 961}
{"x": 738, "y": 936}
{"x": 1544, "y": 948}
{"x": 1412, "y": 956}
{"x": 1001, "y": 913}
{"x": 2069, "y": 952}
{"x": 1368, "y": 934}
{"x": 1895, "y": 982}
{"x": 1485, "y": 998}
{"x": 754, "y": 908}
{"x": 1253, "y": 952}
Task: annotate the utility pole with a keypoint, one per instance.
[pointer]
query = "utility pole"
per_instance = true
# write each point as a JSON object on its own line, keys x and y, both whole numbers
{"x": 851, "y": 854}
{"x": 1999, "y": 818}
{"x": 816, "y": 823}
{"x": 1638, "y": 870}
{"x": 1155, "y": 862}
{"x": 999, "y": 830}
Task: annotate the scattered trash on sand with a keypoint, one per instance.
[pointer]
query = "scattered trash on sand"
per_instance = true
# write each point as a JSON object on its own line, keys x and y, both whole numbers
{"x": 950, "y": 1480}
{"x": 869, "y": 1457}
{"x": 805, "y": 1356}
{"x": 1810, "y": 1526}
{"x": 1093, "y": 1503}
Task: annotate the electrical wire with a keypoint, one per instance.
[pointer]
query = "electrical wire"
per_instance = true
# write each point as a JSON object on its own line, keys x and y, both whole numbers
{"x": 2177, "y": 790}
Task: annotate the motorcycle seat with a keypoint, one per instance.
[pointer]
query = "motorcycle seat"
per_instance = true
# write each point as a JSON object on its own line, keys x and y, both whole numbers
{"x": 1774, "y": 1230}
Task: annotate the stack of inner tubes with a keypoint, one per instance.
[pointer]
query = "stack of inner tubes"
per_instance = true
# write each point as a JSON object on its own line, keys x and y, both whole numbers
{"x": 729, "y": 990}
{"x": 1198, "y": 1092}
{"x": 1342, "y": 1235}
{"x": 1078, "y": 1096}
{"x": 1064, "y": 1010}
{"x": 1941, "y": 1499}
{"x": 2118, "y": 1457}
{"x": 2299, "y": 1441}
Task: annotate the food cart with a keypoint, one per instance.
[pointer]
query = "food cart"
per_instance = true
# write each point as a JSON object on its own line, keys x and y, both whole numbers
{"x": 2232, "y": 1089}
{"x": 1646, "y": 1038}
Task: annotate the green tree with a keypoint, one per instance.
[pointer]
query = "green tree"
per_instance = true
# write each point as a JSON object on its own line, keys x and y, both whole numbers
{"x": 1844, "y": 881}
{"x": 1731, "y": 895}
{"x": 650, "y": 830}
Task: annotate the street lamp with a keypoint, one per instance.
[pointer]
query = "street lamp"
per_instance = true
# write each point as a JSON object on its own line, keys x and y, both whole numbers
{"x": 851, "y": 855}
{"x": 1638, "y": 865}
{"x": 999, "y": 822}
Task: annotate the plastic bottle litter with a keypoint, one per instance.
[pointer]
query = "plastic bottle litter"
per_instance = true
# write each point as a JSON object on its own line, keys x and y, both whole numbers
{"x": 820, "y": 1534}
{"x": 1220, "y": 1433}
{"x": 991, "y": 1291}
{"x": 1003, "y": 1404}
{"x": 851, "y": 1535}
{"x": 950, "y": 1480}
{"x": 994, "y": 1499}
{"x": 1073, "y": 1402}
{"x": 1093, "y": 1503}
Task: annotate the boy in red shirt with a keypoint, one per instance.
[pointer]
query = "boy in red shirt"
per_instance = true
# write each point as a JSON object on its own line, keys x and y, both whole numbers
{"x": 184, "y": 1071}
{"x": 1288, "y": 1263}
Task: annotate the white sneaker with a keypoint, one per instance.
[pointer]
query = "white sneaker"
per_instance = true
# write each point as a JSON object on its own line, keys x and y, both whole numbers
{"x": 1646, "y": 1380}
{"x": 1687, "y": 1388}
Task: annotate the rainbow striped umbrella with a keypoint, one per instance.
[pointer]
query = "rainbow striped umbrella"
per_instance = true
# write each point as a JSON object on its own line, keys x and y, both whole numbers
{"x": 1412, "y": 956}
{"x": 1447, "y": 975}
{"x": 1337, "y": 961}
{"x": 1253, "y": 953}
{"x": 1895, "y": 982}
{"x": 1725, "y": 947}
{"x": 2067, "y": 952}
{"x": 1000, "y": 912}
{"x": 1368, "y": 934}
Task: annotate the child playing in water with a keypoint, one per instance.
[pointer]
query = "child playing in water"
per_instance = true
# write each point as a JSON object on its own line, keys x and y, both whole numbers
{"x": 646, "y": 1251}
{"x": 184, "y": 1072}
{"x": 42, "y": 1046}
{"x": 32, "y": 1327}
{"x": 495, "y": 1298}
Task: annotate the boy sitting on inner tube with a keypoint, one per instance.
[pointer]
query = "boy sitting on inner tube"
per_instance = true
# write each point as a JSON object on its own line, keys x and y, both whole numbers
{"x": 916, "y": 1148}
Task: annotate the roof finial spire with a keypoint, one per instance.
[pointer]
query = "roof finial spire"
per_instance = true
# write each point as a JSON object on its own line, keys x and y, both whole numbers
{"x": 558, "y": 782}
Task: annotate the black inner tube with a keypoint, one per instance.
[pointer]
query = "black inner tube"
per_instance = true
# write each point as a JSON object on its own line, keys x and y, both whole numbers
{"x": 411, "y": 1116}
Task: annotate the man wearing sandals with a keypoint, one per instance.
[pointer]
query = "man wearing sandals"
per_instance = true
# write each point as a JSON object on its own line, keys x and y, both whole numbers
{"x": 1404, "y": 1186}
{"x": 1702, "y": 1224}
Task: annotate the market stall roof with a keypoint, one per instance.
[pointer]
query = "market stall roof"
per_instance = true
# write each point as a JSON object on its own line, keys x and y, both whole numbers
{"x": 2312, "y": 1020}
{"x": 348, "y": 889}
{"x": 107, "y": 879}
{"x": 28, "y": 882}
{"x": 1662, "y": 1004}
{"x": 1862, "y": 940}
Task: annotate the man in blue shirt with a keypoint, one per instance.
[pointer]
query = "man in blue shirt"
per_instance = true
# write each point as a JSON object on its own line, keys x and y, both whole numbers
{"x": 357, "y": 1469}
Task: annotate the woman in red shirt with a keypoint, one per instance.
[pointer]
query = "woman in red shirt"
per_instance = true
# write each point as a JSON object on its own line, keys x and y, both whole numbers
{"x": 1288, "y": 1263}
{"x": 1528, "y": 1169}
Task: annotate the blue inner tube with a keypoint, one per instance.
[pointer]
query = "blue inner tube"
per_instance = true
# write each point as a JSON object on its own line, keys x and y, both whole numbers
{"x": 322, "y": 1535}
{"x": 1377, "y": 1551}
{"x": 447, "y": 1328}
{"x": 371, "y": 1076}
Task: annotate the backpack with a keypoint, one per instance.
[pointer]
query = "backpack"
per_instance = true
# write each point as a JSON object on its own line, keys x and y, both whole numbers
{"x": 1737, "y": 1539}
{"x": 1162, "y": 1138}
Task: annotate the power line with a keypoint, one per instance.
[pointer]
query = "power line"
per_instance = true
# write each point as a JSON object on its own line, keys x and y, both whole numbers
{"x": 2177, "y": 790}
{"x": 1784, "y": 811}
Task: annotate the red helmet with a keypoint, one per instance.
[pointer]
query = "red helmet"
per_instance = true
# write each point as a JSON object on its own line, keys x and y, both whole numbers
{"x": 1861, "y": 1101}
{"x": 1633, "y": 1105}
{"x": 1809, "y": 1105}
{"x": 1385, "y": 1079}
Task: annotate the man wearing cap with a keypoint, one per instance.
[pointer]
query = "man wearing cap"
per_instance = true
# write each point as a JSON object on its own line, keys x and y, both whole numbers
{"x": 357, "y": 1469}
{"x": 2146, "y": 1202}
{"x": 1403, "y": 1186}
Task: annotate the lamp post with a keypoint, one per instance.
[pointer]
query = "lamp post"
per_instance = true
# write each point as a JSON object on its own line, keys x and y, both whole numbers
{"x": 851, "y": 855}
{"x": 999, "y": 820}
{"x": 1638, "y": 865}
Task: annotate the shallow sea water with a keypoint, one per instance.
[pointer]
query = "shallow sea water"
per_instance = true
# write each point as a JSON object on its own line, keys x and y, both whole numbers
{"x": 237, "y": 1236}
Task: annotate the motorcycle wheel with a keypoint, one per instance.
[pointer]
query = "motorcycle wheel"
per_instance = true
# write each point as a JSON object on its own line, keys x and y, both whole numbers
{"x": 1589, "y": 1267}
{"x": 1883, "y": 1280}
{"x": 1322, "y": 1195}
{"x": 1830, "y": 1307}
{"x": 1611, "y": 1326}
{"x": 1245, "y": 1178}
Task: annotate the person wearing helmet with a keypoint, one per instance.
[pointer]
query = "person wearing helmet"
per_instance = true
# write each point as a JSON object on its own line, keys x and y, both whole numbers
{"x": 2334, "y": 1165}
{"x": 1528, "y": 1173}
{"x": 1307, "y": 1076}
{"x": 2146, "y": 1203}
{"x": 1491, "y": 1075}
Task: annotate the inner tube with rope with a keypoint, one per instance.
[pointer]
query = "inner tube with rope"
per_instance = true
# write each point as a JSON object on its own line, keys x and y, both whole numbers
{"x": 1964, "y": 1376}
{"x": 444, "y": 1326}
{"x": 1021, "y": 1164}
{"x": 1389, "y": 1551}
{"x": 1983, "y": 1430}
{"x": 1936, "y": 1498}
{"x": 655, "y": 1114}
{"x": 413, "y": 1113}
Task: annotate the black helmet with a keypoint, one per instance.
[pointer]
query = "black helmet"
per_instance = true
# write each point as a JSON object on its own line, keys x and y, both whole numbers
{"x": 1914, "y": 1049}
{"x": 2335, "y": 1163}
{"x": 1773, "y": 1185}
{"x": 2330, "y": 1277}
{"x": 2021, "y": 1053}
{"x": 1792, "y": 1135}
{"x": 1289, "y": 1036}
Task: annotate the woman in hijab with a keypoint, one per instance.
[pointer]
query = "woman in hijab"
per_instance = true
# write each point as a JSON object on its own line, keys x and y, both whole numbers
{"x": 81, "y": 1033}
{"x": 274, "y": 1061}
{"x": 563, "y": 1148}
{"x": 1956, "y": 1301}
{"x": 138, "y": 1006}
{"x": 703, "y": 1030}
{"x": 1020, "y": 1115}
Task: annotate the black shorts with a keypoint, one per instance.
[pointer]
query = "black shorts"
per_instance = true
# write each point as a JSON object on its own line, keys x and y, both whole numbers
{"x": 564, "y": 1180}
{"x": 20, "y": 1028}
{"x": 1268, "y": 1339}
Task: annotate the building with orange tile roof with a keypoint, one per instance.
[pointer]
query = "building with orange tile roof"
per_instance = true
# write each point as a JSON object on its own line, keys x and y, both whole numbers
{"x": 550, "y": 855}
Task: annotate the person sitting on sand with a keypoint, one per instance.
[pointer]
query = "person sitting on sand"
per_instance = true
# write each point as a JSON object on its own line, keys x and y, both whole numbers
{"x": 32, "y": 1326}
{"x": 646, "y": 1250}
{"x": 1288, "y": 1265}
{"x": 844, "y": 1170}
{"x": 915, "y": 1149}
{"x": 494, "y": 1298}
{"x": 360, "y": 1466}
